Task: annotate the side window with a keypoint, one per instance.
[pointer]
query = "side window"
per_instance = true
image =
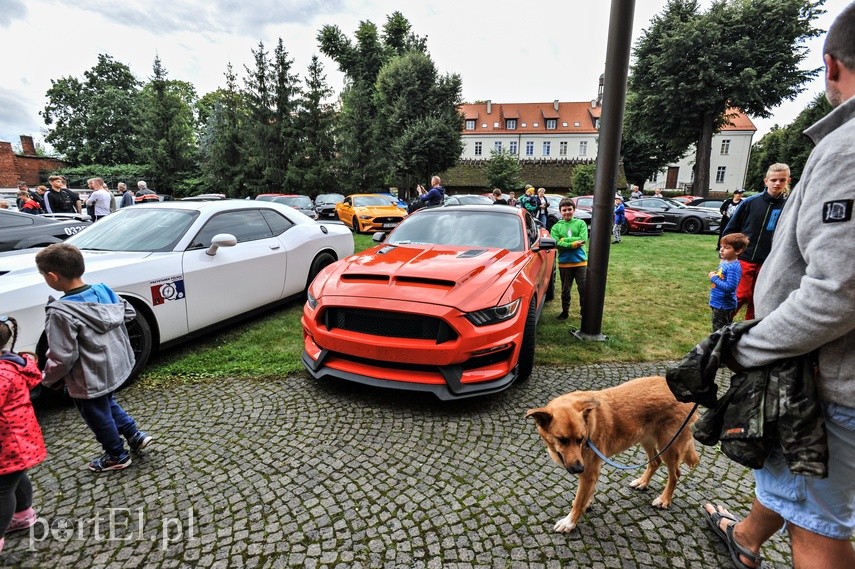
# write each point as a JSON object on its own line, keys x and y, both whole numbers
{"x": 245, "y": 225}
{"x": 531, "y": 229}
{"x": 277, "y": 222}
{"x": 17, "y": 221}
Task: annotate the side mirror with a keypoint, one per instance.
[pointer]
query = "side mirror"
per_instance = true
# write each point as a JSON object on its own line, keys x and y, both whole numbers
{"x": 221, "y": 240}
{"x": 379, "y": 236}
{"x": 545, "y": 244}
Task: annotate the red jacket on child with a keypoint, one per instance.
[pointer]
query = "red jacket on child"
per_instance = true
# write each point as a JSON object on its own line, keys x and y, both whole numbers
{"x": 21, "y": 442}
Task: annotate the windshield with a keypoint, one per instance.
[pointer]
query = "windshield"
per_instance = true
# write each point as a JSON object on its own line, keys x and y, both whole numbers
{"x": 474, "y": 200}
{"x": 363, "y": 201}
{"x": 142, "y": 229}
{"x": 461, "y": 228}
{"x": 295, "y": 201}
{"x": 329, "y": 198}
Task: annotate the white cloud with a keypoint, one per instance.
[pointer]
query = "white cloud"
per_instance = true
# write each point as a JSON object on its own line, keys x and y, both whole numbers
{"x": 508, "y": 52}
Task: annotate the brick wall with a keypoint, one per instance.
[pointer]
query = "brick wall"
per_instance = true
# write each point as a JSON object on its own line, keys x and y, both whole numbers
{"x": 29, "y": 168}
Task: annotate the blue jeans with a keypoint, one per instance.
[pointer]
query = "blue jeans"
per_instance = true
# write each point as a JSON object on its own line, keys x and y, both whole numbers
{"x": 822, "y": 505}
{"x": 107, "y": 420}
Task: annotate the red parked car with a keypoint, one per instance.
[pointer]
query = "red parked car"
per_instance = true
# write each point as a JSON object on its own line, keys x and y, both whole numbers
{"x": 637, "y": 221}
{"x": 448, "y": 304}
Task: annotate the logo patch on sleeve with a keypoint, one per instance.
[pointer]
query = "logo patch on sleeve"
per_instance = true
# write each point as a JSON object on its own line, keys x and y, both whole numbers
{"x": 837, "y": 211}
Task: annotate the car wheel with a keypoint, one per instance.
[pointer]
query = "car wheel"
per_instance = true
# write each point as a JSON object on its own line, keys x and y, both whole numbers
{"x": 139, "y": 332}
{"x": 355, "y": 223}
{"x": 692, "y": 225}
{"x": 525, "y": 364}
{"x": 624, "y": 228}
{"x": 323, "y": 260}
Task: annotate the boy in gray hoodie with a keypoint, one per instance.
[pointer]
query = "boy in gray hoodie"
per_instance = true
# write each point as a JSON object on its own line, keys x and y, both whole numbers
{"x": 90, "y": 352}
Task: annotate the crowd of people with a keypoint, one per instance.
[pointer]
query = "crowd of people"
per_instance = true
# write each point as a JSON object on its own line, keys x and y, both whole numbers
{"x": 58, "y": 198}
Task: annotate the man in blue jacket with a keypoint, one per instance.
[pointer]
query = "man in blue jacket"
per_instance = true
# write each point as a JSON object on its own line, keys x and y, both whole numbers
{"x": 756, "y": 218}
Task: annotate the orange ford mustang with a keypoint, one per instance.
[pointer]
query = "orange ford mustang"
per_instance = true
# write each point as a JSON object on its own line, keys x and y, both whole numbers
{"x": 447, "y": 303}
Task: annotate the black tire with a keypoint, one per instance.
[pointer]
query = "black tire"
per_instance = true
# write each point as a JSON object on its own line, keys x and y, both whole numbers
{"x": 324, "y": 259}
{"x": 692, "y": 225}
{"x": 525, "y": 364}
{"x": 624, "y": 228}
{"x": 139, "y": 332}
{"x": 355, "y": 223}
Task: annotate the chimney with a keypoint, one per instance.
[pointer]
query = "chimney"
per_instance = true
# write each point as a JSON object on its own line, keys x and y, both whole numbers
{"x": 555, "y": 104}
{"x": 27, "y": 146}
{"x": 489, "y": 107}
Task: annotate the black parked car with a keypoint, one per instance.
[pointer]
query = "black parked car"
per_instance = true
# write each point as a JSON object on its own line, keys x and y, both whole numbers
{"x": 23, "y": 230}
{"x": 679, "y": 217}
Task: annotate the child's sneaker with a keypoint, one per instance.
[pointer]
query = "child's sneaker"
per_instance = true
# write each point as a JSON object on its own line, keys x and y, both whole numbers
{"x": 139, "y": 441}
{"x": 22, "y": 520}
{"x": 110, "y": 462}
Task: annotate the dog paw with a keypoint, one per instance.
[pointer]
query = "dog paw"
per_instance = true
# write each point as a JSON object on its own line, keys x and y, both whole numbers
{"x": 639, "y": 484}
{"x": 661, "y": 503}
{"x": 564, "y": 525}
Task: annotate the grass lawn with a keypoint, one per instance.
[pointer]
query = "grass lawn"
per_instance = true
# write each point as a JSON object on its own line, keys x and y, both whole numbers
{"x": 656, "y": 308}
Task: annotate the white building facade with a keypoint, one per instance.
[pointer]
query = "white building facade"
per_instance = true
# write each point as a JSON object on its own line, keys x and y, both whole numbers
{"x": 569, "y": 131}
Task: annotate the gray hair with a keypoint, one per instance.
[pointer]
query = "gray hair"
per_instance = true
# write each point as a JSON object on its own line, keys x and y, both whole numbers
{"x": 840, "y": 41}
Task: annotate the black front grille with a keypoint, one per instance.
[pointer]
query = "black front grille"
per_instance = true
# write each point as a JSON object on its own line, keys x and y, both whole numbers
{"x": 389, "y": 324}
{"x": 387, "y": 220}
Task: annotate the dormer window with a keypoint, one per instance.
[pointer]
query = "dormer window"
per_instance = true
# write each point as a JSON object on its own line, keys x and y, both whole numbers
{"x": 470, "y": 124}
{"x": 511, "y": 124}
{"x": 551, "y": 124}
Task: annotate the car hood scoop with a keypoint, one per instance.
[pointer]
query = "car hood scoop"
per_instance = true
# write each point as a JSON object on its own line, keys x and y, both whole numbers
{"x": 409, "y": 272}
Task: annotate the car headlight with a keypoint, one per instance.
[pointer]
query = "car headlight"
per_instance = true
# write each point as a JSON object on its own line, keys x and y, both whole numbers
{"x": 494, "y": 315}
{"x": 311, "y": 300}
{"x": 364, "y": 217}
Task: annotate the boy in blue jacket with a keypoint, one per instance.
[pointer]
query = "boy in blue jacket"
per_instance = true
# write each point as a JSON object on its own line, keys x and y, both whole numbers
{"x": 725, "y": 280}
{"x": 570, "y": 235}
{"x": 89, "y": 350}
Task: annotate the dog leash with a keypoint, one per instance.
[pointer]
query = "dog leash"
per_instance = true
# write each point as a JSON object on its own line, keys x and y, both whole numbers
{"x": 620, "y": 466}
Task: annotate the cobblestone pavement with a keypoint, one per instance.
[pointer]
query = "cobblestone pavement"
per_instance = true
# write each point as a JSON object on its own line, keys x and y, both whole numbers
{"x": 296, "y": 473}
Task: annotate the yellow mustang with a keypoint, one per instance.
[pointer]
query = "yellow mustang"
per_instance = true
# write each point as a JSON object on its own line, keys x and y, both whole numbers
{"x": 369, "y": 212}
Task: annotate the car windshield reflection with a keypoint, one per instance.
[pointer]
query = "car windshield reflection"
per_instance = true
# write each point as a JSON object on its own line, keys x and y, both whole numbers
{"x": 366, "y": 201}
{"x": 295, "y": 202}
{"x": 138, "y": 229}
{"x": 462, "y": 229}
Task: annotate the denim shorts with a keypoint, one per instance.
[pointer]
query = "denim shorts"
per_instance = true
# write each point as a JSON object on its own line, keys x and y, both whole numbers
{"x": 823, "y": 506}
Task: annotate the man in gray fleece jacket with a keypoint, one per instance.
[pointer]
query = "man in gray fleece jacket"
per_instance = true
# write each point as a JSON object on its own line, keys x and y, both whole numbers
{"x": 806, "y": 297}
{"x": 89, "y": 352}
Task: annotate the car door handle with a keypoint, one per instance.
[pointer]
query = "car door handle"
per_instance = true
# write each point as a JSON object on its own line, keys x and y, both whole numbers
{"x": 274, "y": 247}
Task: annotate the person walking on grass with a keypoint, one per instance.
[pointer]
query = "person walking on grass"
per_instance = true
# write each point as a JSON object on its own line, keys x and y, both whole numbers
{"x": 90, "y": 352}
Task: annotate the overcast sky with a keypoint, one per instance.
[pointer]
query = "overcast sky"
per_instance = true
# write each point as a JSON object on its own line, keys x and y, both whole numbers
{"x": 506, "y": 51}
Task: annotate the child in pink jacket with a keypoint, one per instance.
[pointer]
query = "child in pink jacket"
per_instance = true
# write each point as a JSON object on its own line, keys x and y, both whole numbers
{"x": 21, "y": 443}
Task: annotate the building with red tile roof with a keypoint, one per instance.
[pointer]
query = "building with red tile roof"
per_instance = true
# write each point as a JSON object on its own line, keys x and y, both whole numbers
{"x": 568, "y": 131}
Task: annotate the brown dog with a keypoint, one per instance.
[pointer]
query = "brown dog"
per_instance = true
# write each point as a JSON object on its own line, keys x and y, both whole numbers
{"x": 641, "y": 411}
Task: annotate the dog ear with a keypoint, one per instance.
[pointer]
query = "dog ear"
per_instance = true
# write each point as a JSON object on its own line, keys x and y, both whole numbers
{"x": 588, "y": 406}
{"x": 541, "y": 417}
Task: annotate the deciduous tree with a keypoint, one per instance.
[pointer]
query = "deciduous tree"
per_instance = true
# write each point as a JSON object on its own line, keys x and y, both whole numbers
{"x": 692, "y": 68}
{"x": 95, "y": 120}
